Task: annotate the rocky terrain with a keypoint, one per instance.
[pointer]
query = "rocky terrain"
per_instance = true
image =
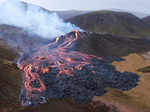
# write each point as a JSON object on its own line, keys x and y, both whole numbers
{"x": 102, "y": 41}
{"x": 79, "y": 84}
{"x": 120, "y": 38}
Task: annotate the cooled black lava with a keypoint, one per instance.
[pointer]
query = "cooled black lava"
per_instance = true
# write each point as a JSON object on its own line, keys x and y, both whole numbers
{"x": 56, "y": 71}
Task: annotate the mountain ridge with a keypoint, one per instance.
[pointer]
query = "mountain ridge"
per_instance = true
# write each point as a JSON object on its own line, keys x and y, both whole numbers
{"x": 118, "y": 23}
{"x": 147, "y": 20}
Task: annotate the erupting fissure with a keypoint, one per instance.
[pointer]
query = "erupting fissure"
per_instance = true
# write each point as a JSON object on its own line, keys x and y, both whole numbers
{"x": 54, "y": 55}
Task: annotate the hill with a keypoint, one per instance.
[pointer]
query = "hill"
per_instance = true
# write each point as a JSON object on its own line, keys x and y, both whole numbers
{"x": 119, "y": 23}
{"x": 19, "y": 39}
{"x": 147, "y": 20}
{"x": 66, "y": 14}
{"x": 136, "y": 13}
{"x": 70, "y": 13}
{"x": 10, "y": 78}
{"x": 110, "y": 45}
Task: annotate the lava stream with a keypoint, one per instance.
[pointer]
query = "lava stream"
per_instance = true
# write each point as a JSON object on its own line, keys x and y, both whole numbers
{"x": 54, "y": 55}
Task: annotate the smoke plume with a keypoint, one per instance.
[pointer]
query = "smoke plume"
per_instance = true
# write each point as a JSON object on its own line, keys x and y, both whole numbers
{"x": 33, "y": 19}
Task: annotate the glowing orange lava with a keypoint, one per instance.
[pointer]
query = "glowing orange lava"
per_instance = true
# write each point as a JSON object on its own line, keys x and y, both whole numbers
{"x": 54, "y": 55}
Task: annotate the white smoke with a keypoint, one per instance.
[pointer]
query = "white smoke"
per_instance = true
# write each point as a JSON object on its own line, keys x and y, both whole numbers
{"x": 33, "y": 19}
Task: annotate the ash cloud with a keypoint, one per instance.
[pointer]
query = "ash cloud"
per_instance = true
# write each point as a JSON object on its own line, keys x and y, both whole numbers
{"x": 33, "y": 19}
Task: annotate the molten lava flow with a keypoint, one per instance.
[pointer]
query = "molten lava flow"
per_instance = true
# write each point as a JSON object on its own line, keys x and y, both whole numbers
{"x": 54, "y": 55}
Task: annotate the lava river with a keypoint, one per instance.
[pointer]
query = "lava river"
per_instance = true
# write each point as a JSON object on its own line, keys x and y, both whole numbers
{"x": 57, "y": 71}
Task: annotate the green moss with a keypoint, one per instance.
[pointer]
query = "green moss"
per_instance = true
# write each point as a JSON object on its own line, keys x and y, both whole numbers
{"x": 144, "y": 70}
{"x": 118, "y": 94}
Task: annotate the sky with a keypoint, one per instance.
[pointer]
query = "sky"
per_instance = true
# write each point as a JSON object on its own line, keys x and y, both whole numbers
{"x": 129, "y": 5}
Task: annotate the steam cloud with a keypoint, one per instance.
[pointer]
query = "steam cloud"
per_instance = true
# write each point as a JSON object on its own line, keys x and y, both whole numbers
{"x": 33, "y": 19}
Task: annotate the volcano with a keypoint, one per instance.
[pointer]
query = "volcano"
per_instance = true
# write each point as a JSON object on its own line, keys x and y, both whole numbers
{"x": 57, "y": 70}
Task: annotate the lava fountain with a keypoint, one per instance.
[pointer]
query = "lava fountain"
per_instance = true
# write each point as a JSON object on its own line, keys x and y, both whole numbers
{"x": 57, "y": 71}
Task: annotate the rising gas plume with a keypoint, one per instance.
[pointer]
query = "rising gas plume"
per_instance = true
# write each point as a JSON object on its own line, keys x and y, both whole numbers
{"x": 33, "y": 19}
